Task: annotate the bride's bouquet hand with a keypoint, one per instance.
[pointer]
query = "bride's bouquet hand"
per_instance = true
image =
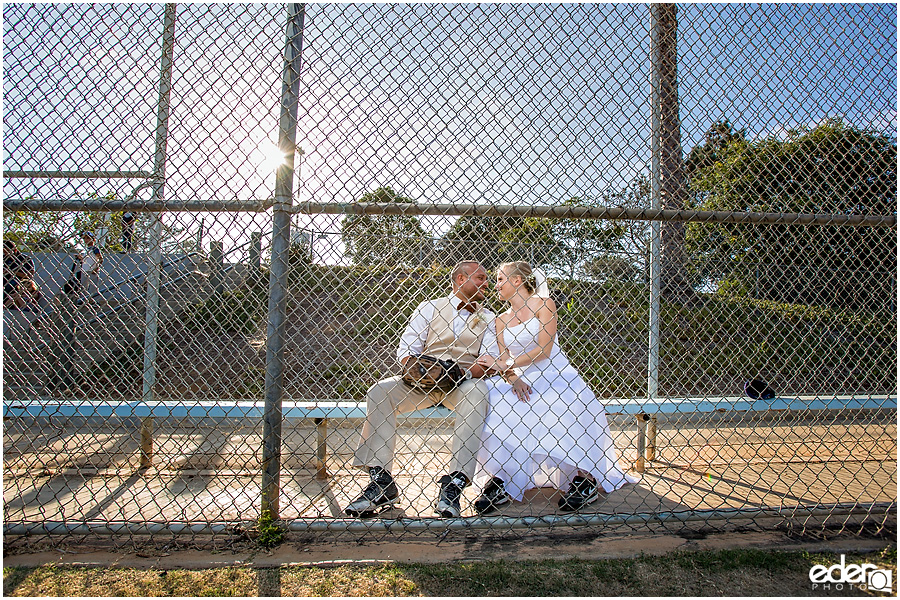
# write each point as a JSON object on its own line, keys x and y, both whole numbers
{"x": 521, "y": 389}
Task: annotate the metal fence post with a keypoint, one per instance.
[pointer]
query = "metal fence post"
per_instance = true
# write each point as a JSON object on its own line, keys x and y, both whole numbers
{"x": 655, "y": 226}
{"x": 154, "y": 256}
{"x": 281, "y": 232}
{"x": 216, "y": 266}
{"x": 255, "y": 259}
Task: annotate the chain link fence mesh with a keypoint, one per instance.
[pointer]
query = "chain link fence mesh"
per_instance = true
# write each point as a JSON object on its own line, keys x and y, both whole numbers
{"x": 427, "y": 135}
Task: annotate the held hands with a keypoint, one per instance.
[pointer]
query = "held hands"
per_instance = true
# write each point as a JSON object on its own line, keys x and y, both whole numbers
{"x": 479, "y": 372}
{"x": 490, "y": 364}
{"x": 501, "y": 366}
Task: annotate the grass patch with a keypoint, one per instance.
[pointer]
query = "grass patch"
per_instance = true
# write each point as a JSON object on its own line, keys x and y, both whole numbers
{"x": 81, "y": 582}
{"x": 271, "y": 533}
{"x": 709, "y": 573}
{"x": 253, "y": 384}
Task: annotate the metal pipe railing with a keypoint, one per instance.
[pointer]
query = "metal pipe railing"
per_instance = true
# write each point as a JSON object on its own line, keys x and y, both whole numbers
{"x": 612, "y": 213}
{"x": 78, "y": 174}
{"x": 440, "y": 525}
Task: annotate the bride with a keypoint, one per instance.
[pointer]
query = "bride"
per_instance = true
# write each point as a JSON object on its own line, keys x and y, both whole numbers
{"x": 544, "y": 425}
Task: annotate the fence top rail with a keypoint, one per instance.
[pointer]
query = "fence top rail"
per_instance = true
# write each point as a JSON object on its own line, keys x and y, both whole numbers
{"x": 459, "y": 210}
{"x": 79, "y": 174}
{"x": 102, "y": 205}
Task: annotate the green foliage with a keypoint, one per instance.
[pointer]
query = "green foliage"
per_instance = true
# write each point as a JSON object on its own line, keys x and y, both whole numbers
{"x": 560, "y": 244}
{"x": 271, "y": 533}
{"x": 716, "y": 147}
{"x": 833, "y": 169}
{"x": 495, "y": 240}
{"x": 399, "y": 240}
{"x": 232, "y": 312}
{"x": 579, "y": 239}
{"x": 59, "y": 231}
{"x": 720, "y": 342}
{"x": 39, "y": 230}
{"x": 710, "y": 346}
{"x": 121, "y": 371}
{"x": 95, "y": 221}
{"x": 609, "y": 267}
{"x": 253, "y": 385}
{"x": 385, "y": 239}
{"x": 351, "y": 379}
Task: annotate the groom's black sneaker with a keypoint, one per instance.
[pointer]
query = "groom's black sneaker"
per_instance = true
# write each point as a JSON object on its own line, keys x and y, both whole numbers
{"x": 381, "y": 492}
{"x": 492, "y": 497}
{"x": 452, "y": 486}
{"x": 582, "y": 491}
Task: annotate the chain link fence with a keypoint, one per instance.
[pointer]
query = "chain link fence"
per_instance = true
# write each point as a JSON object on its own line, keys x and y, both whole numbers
{"x": 275, "y": 190}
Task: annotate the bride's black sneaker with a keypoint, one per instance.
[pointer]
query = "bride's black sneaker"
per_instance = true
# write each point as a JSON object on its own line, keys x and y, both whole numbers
{"x": 582, "y": 491}
{"x": 492, "y": 497}
{"x": 452, "y": 486}
{"x": 381, "y": 492}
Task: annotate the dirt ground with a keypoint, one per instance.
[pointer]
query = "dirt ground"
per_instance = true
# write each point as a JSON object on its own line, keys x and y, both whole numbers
{"x": 294, "y": 552}
{"x": 696, "y": 468}
{"x": 205, "y": 473}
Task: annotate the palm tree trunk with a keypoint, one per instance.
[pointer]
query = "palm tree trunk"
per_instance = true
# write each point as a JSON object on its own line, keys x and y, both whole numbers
{"x": 669, "y": 174}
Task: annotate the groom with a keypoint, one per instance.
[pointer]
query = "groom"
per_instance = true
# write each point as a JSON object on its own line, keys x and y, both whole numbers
{"x": 453, "y": 327}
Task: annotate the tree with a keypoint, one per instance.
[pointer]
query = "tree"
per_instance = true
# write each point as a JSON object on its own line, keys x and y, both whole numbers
{"x": 830, "y": 169}
{"x": 385, "y": 239}
{"x": 42, "y": 231}
{"x": 714, "y": 148}
{"x": 666, "y": 147}
{"x": 495, "y": 240}
{"x": 635, "y": 239}
{"x": 58, "y": 231}
{"x": 607, "y": 267}
{"x": 559, "y": 244}
{"x": 579, "y": 241}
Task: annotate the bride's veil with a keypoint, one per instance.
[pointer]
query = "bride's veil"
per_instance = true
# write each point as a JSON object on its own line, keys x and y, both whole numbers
{"x": 542, "y": 289}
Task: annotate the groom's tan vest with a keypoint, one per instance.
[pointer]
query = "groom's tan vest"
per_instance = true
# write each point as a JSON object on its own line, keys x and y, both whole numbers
{"x": 442, "y": 342}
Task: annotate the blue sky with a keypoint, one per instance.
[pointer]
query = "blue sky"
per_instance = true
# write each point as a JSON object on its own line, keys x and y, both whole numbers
{"x": 445, "y": 103}
{"x": 780, "y": 65}
{"x": 497, "y": 115}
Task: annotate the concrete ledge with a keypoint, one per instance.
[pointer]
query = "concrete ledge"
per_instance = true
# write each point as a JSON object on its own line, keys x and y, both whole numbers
{"x": 255, "y": 409}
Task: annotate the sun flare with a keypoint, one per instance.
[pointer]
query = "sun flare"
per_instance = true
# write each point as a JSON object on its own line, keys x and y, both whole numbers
{"x": 272, "y": 157}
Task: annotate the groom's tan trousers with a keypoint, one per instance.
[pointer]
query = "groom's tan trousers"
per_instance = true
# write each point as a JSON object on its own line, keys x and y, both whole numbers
{"x": 390, "y": 397}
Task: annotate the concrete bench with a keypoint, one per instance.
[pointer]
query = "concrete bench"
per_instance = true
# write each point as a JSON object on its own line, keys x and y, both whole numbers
{"x": 319, "y": 412}
{"x": 645, "y": 412}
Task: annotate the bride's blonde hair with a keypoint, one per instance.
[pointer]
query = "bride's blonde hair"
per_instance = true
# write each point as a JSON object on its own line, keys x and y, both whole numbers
{"x": 520, "y": 268}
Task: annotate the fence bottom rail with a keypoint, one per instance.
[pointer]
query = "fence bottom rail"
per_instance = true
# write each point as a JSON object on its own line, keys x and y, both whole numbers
{"x": 718, "y": 516}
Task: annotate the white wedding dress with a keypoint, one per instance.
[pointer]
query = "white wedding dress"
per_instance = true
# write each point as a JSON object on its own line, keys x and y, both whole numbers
{"x": 545, "y": 441}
